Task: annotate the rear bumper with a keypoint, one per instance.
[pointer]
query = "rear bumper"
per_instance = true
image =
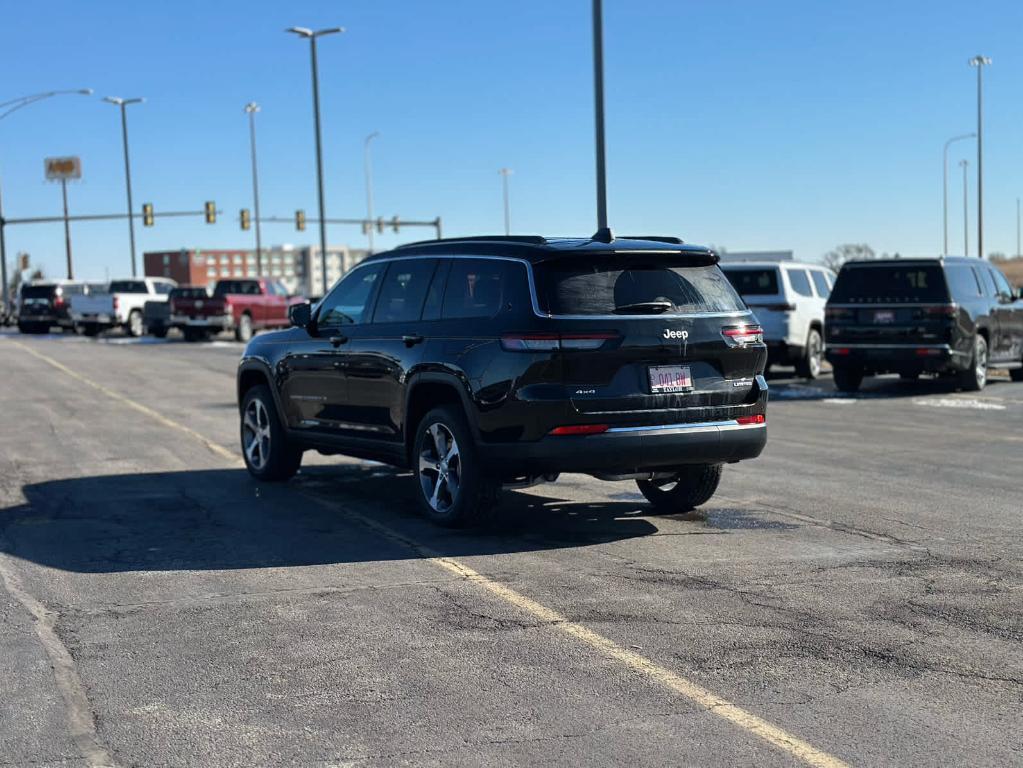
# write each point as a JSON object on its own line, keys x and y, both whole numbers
{"x": 896, "y": 358}
{"x": 630, "y": 449}
{"x": 96, "y": 319}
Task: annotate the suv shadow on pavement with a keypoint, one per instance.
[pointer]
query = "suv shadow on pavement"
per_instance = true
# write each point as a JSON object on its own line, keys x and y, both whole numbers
{"x": 222, "y": 520}
{"x": 784, "y": 388}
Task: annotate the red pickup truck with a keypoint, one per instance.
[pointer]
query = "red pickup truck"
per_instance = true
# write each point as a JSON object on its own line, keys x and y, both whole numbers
{"x": 242, "y": 306}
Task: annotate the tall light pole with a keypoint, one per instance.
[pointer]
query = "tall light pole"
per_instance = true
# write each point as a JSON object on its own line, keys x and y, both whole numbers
{"x": 123, "y": 104}
{"x": 1018, "y": 251}
{"x": 966, "y": 232}
{"x": 251, "y": 109}
{"x": 980, "y": 62}
{"x": 14, "y": 105}
{"x": 598, "y": 101}
{"x": 367, "y": 167}
{"x": 505, "y": 173}
{"x": 944, "y": 186}
{"x": 311, "y": 36}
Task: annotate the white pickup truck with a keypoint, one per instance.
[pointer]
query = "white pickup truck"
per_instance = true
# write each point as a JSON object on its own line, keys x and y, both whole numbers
{"x": 121, "y": 306}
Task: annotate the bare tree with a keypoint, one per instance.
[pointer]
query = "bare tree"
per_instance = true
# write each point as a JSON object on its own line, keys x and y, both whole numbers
{"x": 835, "y": 258}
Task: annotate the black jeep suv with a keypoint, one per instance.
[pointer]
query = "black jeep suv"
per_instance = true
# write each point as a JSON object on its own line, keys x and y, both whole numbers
{"x": 952, "y": 316}
{"x": 490, "y": 361}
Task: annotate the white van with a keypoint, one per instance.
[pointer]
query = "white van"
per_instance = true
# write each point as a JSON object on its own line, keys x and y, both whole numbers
{"x": 788, "y": 299}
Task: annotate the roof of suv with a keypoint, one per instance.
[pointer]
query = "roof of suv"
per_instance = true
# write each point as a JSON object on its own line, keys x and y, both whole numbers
{"x": 772, "y": 265}
{"x": 535, "y": 248}
{"x": 929, "y": 260}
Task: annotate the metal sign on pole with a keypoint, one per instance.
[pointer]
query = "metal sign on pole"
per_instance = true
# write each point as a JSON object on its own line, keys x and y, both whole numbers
{"x": 61, "y": 169}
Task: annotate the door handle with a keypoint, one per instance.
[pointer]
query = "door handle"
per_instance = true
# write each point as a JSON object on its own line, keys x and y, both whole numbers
{"x": 337, "y": 341}
{"x": 411, "y": 339}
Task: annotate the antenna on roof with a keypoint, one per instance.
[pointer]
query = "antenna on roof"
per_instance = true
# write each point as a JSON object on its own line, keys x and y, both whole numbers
{"x": 603, "y": 235}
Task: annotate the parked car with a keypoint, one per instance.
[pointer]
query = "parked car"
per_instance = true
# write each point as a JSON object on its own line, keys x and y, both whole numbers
{"x": 788, "y": 299}
{"x": 157, "y": 314}
{"x": 45, "y": 304}
{"x": 121, "y": 306}
{"x": 952, "y": 316}
{"x": 480, "y": 362}
{"x": 240, "y": 306}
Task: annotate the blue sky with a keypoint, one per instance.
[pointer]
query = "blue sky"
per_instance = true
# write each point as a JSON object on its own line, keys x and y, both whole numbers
{"x": 748, "y": 125}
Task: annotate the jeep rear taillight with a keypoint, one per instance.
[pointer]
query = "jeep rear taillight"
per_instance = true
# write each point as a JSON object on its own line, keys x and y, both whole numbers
{"x": 550, "y": 342}
{"x": 744, "y": 334}
{"x": 757, "y": 418}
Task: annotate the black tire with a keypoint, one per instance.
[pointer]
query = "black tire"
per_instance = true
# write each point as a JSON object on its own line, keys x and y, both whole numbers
{"x": 847, "y": 378}
{"x": 475, "y": 492}
{"x": 244, "y": 330}
{"x": 809, "y": 365}
{"x": 90, "y": 329}
{"x": 135, "y": 325}
{"x": 689, "y": 488}
{"x": 159, "y": 331}
{"x": 1016, "y": 374}
{"x": 974, "y": 378}
{"x": 273, "y": 458}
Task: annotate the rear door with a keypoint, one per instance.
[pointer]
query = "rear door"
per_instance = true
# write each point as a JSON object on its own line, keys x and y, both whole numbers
{"x": 649, "y": 336}
{"x": 1009, "y": 312}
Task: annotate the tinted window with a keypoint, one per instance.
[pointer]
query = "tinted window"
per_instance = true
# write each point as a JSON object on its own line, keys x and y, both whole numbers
{"x": 603, "y": 286}
{"x": 1002, "y": 287}
{"x": 481, "y": 287}
{"x": 37, "y": 291}
{"x": 128, "y": 286}
{"x": 347, "y": 303}
{"x": 753, "y": 282}
{"x": 962, "y": 281}
{"x": 820, "y": 282}
{"x": 163, "y": 288}
{"x": 890, "y": 284}
{"x": 243, "y": 287}
{"x": 188, "y": 293}
{"x": 403, "y": 290}
{"x": 435, "y": 296}
{"x": 800, "y": 282}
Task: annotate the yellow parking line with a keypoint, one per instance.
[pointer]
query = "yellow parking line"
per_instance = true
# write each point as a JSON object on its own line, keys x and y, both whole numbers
{"x": 710, "y": 701}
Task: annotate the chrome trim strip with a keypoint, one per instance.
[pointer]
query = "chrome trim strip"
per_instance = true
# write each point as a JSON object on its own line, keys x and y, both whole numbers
{"x": 702, "y": 426}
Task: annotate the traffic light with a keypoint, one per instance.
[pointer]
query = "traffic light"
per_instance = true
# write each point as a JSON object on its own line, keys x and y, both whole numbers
{"x": 245, "y": 219}
{"x": 211, "y": 212}
{"x": 395, "y": 223}
{"x": 380, "y": 224}
{"x": 147, "y": 214}
{"x": 300, "y": 220}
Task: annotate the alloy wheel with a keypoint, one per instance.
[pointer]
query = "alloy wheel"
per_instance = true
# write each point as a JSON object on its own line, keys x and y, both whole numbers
{"x": 440, "y": 468}
{"x": 814, "y": 355}
{"x": 256, "y": 434}
{"x": 981, "y": 357}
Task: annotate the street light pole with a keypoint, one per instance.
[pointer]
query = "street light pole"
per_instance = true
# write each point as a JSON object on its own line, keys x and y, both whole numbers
{"x": 598, "y": 93}
{"x": 311, "y": 35}
{"x": 505, "y": 173}
{"x": 944, "y": 187}
{"x": 980, "y": 62}
{"x": 966, "y": 232}
{"x": 123, "y": 104}
{"x": 251, "y": 109}
{"x": 12, "y": 106}
{"x": 1018, "y": 251}
{"x": 368, "y": 170}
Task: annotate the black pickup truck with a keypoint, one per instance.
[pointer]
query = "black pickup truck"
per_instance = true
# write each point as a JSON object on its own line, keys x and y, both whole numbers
{"x": 949, "y": 316}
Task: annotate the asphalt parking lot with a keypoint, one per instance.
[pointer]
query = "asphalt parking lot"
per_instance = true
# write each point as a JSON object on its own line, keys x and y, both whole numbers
{"x": 853, "y": 597}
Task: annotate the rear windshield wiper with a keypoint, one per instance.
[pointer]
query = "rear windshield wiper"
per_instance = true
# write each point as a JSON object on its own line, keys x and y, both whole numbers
{"x": 653, "y": 307}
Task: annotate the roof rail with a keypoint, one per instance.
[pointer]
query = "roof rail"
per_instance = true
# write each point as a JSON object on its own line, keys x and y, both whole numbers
{"x": 523, "y": 239}
{"x": 656, "y": 238}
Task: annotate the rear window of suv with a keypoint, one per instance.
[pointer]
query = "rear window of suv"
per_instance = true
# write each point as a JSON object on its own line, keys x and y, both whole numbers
{"x": 753, "y": 282}
{"x": 602, "y": 286}
{"x": 38, "y": 291}
{"x": 890, "y": 284}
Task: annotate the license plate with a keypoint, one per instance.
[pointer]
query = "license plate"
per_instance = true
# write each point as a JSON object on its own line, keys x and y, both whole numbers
{"x": 884, "y": 316}
{"x": 670, "y": 378}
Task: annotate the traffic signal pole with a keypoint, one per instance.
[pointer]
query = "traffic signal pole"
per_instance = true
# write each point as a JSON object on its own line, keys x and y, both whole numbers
{"x": 67, "y": 231}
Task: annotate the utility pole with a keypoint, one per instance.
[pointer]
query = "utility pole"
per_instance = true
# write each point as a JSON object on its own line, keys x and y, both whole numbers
{"x": 980, "y": 62}
{"x": 123, "y": 104}
{"x": 367, "y": 167}
{"x": 251, "y": 109}
{"x": 67, "y": 231}
{"x": 598, "y": 93}
{"x": 1018, "y": 251}
{"x": 505, "y": 173}
{"x": 966, "y": 232}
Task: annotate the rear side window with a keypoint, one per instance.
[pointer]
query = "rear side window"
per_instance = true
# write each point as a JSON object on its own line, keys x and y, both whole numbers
{"x": 128, "y": 286}
{"x": 236, "y": 287}
{"x": 890, "y": 284}
{"x": 753, "y": 282}
{"x": 403, "y": 291}
{"x": 482, "y": 287}
{"x": 800, "y": 282}
{"x": 163, "y": 288}
{"x": 603, "y": 286}
{"x": 963, "y": 282}
{"x": 820, "y": 282}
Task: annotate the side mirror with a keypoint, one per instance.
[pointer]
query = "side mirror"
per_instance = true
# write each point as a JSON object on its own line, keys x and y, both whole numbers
{"x": 301, "y": 315}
